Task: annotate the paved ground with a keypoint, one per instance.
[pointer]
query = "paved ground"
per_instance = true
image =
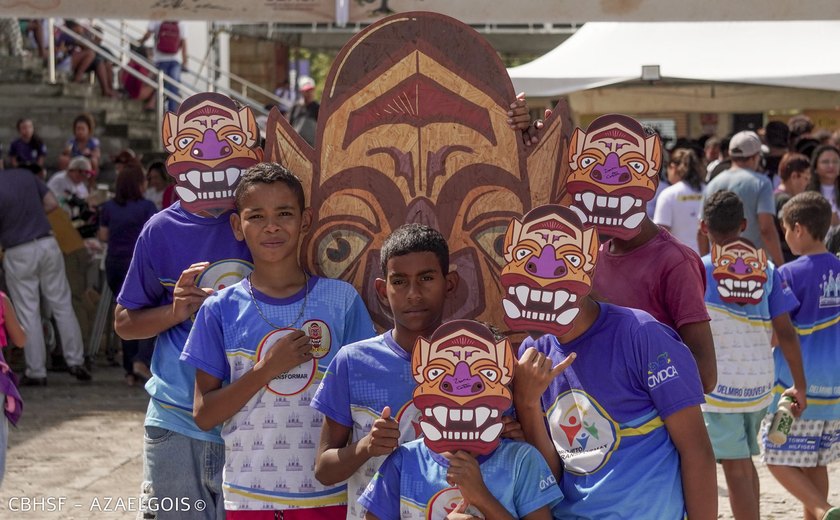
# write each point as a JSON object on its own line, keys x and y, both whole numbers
{"x": 83, "y": 443}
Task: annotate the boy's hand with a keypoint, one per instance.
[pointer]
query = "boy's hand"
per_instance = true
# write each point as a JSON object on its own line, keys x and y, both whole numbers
{"x": 800, "y": 401}
{"x": 512, "y": 429}
{"x": 286, "y": 353}
{"x": 533, "y": 375}
{"x": 464, "y": 472}
{"x": 384, "y": 436}
{"x": 187, "y": 297}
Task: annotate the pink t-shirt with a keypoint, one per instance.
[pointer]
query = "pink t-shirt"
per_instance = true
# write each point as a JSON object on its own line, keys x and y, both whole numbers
{"x": 663, "y": 277}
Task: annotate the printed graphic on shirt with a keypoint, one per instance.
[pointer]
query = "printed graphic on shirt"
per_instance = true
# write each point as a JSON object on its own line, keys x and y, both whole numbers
{"x": 224, "y": 273}
{"x": 740, "y": 271}
{"x": 661, "y": 371}
{"x": 445, "y": 502}
{"x": 550, "y": 259}
{"x": 462, "y": 372}
{"x": 320, "y": 337}
{"x": 615, "y": 167}
{"x": 584, "y": 434}
{"x": 830, "y": 290}
{"x": 295, "y": 380}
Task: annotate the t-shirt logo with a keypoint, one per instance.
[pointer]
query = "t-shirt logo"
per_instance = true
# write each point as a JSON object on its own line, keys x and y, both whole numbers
{"x": 446, "y": 501}
{"x": 661, "y": 370}
{"x": 583, "y": 433}
{"x": 320, "y": 337}
{"x": 295, "y": 380}
{"x": 830, "y": 290}
{"x": 408, "y": 419}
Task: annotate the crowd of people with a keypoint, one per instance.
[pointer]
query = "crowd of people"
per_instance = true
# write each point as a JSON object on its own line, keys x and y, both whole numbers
{"x": 692, "y": 377}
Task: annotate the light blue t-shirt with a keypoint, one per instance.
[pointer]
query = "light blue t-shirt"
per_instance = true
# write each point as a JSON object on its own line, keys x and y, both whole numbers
{"x": 362, "y": 379}
{"x": 169, "y": 243}
{"x": 815, "y": 281}
{"x": 742, "y": 335}
{"x": 270, "y": 444}
{"x": 756, "y": 192}
{"x": 411, "y": 483}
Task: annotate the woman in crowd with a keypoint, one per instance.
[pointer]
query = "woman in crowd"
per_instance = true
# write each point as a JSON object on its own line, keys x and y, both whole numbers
{"x": 28, "y": 149}
{"x": 121, "y": 220}
{"x": 825, "y": 178}
{"x": 82, "y": 143}
{"x": 678, "y": 206}
{"x": 159, "y": 186}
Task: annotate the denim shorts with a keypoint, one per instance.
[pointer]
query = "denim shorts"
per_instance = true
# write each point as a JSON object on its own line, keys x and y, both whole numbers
{"x": 182, "y": 477}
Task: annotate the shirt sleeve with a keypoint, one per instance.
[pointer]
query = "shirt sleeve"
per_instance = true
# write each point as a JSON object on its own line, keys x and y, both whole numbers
{"x": 685, "y": 292}
{"x": 142, "y": 288}
{"x": 105, "y": 215}
{"x": 667, "y": 369}
{"x": 788, "y": 283}
{"x": 358, "y": 326}
{"x": 781, "y": 299}
{"x": 382, "y": 495}
{"x": 535, "y": 485}
{"x": 766, "y": 204}
{"x": 333, "y": 395}
{"x": 663, "y": 214}
{"x": 205, "y": 347}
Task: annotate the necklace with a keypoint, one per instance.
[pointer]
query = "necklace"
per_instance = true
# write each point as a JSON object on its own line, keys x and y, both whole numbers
{"x": 302, "y": 307}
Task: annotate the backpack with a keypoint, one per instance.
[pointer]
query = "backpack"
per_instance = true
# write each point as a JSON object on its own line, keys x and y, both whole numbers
{"x": 168, "y": 38}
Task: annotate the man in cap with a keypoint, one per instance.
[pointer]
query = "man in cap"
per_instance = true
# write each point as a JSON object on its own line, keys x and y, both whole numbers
{"x": 754, "y": 189}
{"x": 304, "y": 114}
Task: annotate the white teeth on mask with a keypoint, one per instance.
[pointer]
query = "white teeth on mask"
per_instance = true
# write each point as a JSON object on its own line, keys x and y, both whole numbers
{"x": 195, "y": 178}
{"x": 182, "y": 178}
{"x": 729, "y": 283}
{"x": 583, "y": 218}
{"x": 560, "y": 298}
{"x": 440, "y": 414}
{"x": 491, "y": 433}
{"x": 612, "y": 202}
{"x": 522, "y": 293}
{"x": 758, "y": 294}
{"x": 626, "y": 203}
{"x": 481, "y": 416}
{"x": 232, "y": 175}
{"x": 588, "y": 199}
{"x": 724, "y": 291}
{"x": 751, "y": 285}
{"x": 185, "y": 194}
{"x": 429, "y": 431}
{"x": 219, "y": 176}
{"x": 207, "y": 176}
{"x": 566, "y": 317}
{"x": 511, "y": 310}
{"x": 601, "y": 200}
{"x": 633, "y": 221}
{"x": 455, "y": 415}
{"x": 466, "y": 414}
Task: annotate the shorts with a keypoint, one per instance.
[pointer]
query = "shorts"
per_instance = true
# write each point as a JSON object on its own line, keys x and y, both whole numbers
{"x": 811, "y": 443}
{"x": 734, "y": 435}
{"x": 318, "y": 513}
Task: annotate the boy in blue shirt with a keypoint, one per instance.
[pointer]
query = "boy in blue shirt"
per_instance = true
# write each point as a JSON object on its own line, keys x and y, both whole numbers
{"x": 260, "y": 347}
{"x": 800, "y": 464}
{"x": 747, "y": 302}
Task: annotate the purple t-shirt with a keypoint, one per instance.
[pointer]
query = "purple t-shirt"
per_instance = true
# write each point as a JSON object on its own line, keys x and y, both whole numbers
{"x": 26, "y": 152}
{"x": 22, "y": 217}
{"x": 605, "y": 415}
{"x": 124, "y": 224}
{"x": 171, "y": 241}
{"x": 663, "y": 277}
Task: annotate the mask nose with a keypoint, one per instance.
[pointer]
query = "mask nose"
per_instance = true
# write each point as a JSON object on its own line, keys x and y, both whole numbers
{"x": 211, "y": 148}
{"x": 740, "y": 267}
{"x": 611, "y": 172}
{"x": 547, "y": 265}
{"x": 462, "y": 383}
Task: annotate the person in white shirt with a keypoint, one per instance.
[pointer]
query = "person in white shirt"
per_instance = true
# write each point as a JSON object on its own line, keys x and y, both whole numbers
{"x": 71, "y": 182}
{"x": 678, "y": 206}
{"x": 825, "y": 178}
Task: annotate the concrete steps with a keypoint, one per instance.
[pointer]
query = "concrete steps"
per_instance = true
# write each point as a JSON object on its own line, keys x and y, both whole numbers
{"x": 24, "y": 92}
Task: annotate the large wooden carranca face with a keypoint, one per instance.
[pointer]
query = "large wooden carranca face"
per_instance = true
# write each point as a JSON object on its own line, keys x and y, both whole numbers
{"x": 413, "y": 128}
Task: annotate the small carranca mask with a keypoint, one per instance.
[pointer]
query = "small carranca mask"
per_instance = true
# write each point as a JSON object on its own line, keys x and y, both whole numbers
{"x": 740, "y": 271}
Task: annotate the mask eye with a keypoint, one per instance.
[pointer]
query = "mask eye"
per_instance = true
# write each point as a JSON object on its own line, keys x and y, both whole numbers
{"x": 491, "y": 241}
{"x": 574, "y": 260}
{"x": 339, "y": 248}
{"x": 586, "y": 162}
{"x": 724, "y": 262}
{"x": 236, "y": 139}
{"x": 433, "y": 373}
{"x": 755, "y": 265}
{"x": 184, "y": 142}
{"x": 521, "y": 253}
{"x": 636, "y": 165}
{"x": 490, "y": 374}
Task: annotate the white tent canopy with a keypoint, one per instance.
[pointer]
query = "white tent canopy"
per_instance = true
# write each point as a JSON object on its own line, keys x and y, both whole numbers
{"x": 784, "y": 54}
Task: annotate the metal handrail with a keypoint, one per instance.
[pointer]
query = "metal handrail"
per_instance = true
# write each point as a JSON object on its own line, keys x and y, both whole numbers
{"x": 213, "y": 69}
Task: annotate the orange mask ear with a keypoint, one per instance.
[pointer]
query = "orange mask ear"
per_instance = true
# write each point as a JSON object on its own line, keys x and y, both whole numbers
{"x": 504, "y": 352}
{"x": 576, "y": 147}
{"x": 590, "y": 248}
{"x": 169, "y": 131}
{"x": 419, "y": 359}
{"x": 654, "y": 154}
{"x": 512, "y": 235}
{"x": 762, "y": 258}
{"x": 249, "y": 123}
{"x": 716, "y": 252}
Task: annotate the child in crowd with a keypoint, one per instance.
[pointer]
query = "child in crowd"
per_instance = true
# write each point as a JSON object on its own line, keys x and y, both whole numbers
{"x": 29, "y": 148}
{"x": 462, "y": 371}
{"x": 814, "y": 440}
{"x": 747, "y": 302}
{"x": 795, "y": 175}
{"x": 366, "y": 392}
{"x": 260, "y": 347}
{"x": 12, "y": 332}
{"x": 621, "y": 427}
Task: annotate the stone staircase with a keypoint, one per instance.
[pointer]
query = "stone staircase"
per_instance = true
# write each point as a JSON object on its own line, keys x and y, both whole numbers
{"x": 25, "y": 92}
